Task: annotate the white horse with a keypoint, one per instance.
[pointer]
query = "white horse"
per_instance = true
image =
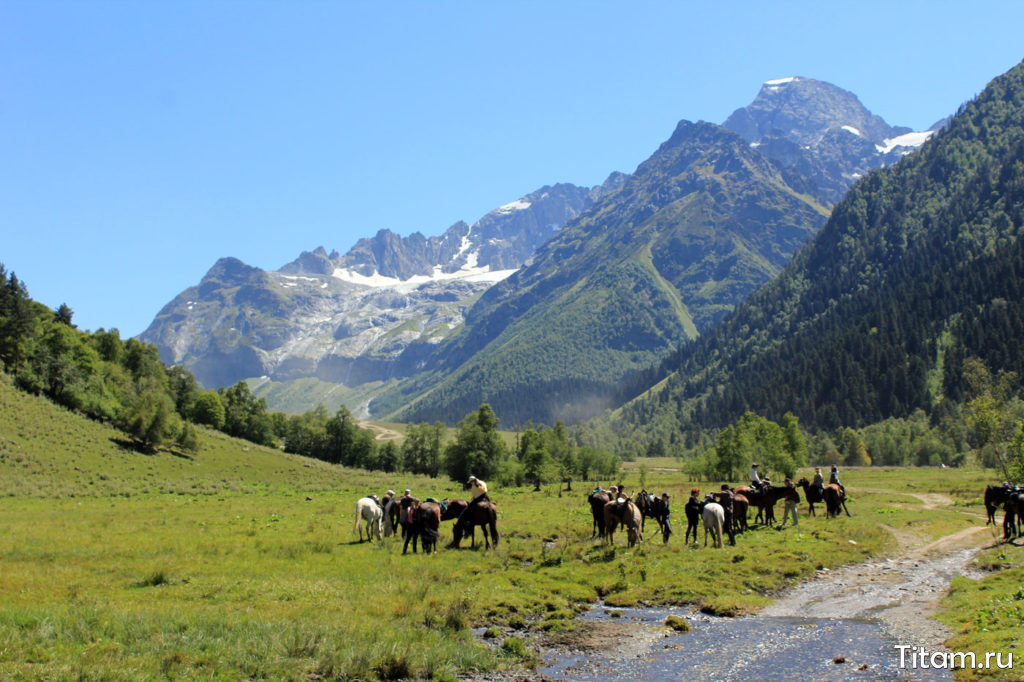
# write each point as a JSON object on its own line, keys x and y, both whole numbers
{"x": 714, "y": 520}
{"x": 368, "y": 509}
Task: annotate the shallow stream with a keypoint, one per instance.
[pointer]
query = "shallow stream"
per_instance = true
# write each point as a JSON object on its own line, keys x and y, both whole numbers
{"x": 753, "y": 647}
{"x": 843, "y": 625}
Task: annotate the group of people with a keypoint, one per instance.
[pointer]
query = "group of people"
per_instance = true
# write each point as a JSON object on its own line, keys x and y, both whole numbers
{"x": 478, "y": 490}
{"x": 757, "y": 483}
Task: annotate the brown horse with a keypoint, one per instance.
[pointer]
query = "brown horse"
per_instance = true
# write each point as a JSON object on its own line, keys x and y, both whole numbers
{"x": 483, "y": 514}
{"x": 835, "y": 501}
{"x": 813, "y": 494}
{"x": 452, "y": 509}
{"x": 740, "y": 505}
{"x": 426, "y": 520}
{"x": 765, "y": 499}
{"x": 627, "y": 514}
{"x": 597, "y": 501}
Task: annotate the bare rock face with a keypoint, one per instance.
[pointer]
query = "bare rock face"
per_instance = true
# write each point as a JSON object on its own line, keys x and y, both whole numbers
{"x": 821, "y": 135}
{"x": 350, "y": 319}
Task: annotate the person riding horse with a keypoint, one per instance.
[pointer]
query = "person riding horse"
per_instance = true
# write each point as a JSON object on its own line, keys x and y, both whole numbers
{"x": 755, "y": 480}
{"x": 478, "y": 490}
{"x": 833, "y": 477}
{"x": 819, "y": 482}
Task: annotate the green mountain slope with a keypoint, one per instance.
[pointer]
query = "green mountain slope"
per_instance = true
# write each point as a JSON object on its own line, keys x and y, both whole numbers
{"x": 918, "y": 267}
{"x": 691, "y": 233}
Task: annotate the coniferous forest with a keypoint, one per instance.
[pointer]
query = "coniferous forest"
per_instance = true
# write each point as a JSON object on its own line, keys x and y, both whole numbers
{"x": 919, "y": 268}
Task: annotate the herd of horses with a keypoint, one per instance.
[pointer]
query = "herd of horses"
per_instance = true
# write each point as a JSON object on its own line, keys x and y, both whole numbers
{"x": 722, "y": 513}
{"x": 420, "y": 522}
{"x": 1011, "y": 499}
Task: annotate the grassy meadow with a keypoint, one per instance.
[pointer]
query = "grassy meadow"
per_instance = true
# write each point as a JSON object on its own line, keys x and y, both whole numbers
{"x": 241, "y": 561}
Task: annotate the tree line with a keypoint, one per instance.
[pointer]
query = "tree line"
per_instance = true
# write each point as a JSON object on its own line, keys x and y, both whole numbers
{"x": 123, "y": 382}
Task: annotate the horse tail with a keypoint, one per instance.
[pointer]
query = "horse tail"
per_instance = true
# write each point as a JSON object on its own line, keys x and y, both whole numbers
{"x": 359, "y": 516}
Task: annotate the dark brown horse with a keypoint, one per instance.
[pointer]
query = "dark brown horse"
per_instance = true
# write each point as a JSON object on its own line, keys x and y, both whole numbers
{"x": 995, "y": 497}
{"x": 483, "y": 514}
{"x": 725, "y": 498}
{"x": 426, "y": 520}
{"x": 452, "y": 509}
{"x": 391, "y": 513}
{"x": 658, "y": 509}
{"x": 765, "y": 499}
{"x": 813, "y": 494}
{"x": 835, "y": 501}
{"x": 597, "y": 500}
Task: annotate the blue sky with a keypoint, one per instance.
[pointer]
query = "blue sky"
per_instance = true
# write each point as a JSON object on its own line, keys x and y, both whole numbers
{"x": 142, "y": 141}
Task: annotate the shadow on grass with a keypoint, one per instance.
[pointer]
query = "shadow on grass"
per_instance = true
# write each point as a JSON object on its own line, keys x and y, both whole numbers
{"x": 142, "y": 449}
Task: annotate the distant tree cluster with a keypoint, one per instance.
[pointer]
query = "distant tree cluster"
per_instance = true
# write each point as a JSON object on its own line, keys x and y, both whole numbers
{"x": 98, "y": 374}
{"x": 542, "y": 455}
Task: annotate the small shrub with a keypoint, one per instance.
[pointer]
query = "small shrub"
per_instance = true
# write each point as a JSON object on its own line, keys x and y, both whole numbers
{"x": 393, "y": 667}
{"x": 154, "y": 579}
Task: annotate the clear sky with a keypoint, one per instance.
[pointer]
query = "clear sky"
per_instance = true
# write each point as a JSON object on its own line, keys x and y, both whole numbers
{"x": 142, "y": 141}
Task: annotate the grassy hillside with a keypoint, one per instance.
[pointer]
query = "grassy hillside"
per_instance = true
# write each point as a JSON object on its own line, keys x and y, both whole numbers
{"x": 240, "y": 561}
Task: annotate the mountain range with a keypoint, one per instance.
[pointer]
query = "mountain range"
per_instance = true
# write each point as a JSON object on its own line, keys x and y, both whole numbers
{"x": 919, "y": 267}
{"x": 545, "y": 307}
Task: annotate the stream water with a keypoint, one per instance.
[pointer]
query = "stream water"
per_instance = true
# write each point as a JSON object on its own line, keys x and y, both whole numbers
{"x": 754, "y": 647}
{"x": 859, "y": 612}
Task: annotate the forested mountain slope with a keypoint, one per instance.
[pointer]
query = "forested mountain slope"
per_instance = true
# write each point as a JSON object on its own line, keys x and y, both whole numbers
{"x": 695, "y": 229}
{"x": 919, "y": 266}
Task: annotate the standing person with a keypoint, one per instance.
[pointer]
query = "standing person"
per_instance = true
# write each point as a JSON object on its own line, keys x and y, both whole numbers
{"x": 405, "y": 504}
{"x": 692, "y": 508}
{"x": 790, "y": 506}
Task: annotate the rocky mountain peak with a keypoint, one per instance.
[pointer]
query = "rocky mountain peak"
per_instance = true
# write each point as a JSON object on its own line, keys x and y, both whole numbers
{"x": 804, "y": 109}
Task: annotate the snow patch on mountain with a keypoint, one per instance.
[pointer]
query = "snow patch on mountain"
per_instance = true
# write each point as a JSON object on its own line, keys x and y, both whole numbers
{"x": 517, "y": 205}
{"x": 905, "y": 140}
{"x": 469, "y": 272}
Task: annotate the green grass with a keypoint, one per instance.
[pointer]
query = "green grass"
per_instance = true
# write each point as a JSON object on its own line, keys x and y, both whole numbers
{"x": 240, "y": 561}
{"x": 987, "y": 615}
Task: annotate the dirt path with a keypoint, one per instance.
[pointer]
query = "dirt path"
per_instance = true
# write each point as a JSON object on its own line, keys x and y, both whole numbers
{"x": 381, "y": 433}
{"x": 902, "y": 591}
